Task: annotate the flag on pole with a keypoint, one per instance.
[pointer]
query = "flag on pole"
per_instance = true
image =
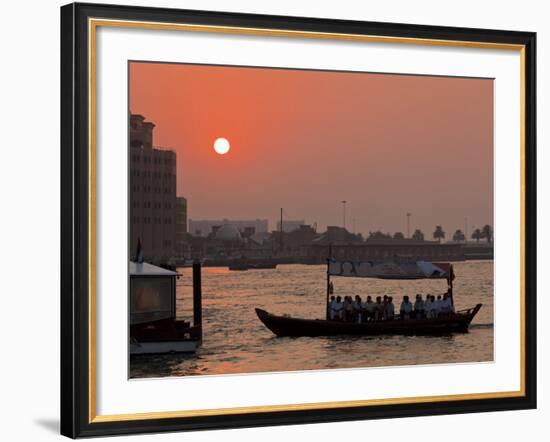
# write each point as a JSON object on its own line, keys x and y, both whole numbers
{"x": 139, "y": 252}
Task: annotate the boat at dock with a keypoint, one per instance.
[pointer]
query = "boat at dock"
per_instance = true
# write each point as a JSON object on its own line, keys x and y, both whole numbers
{"x": 444, "y": 323}
{"x": 154, "y": 327}
{"x": 163, "y": 336}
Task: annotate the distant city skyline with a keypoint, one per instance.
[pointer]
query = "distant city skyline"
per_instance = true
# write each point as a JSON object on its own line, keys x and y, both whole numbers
{"x": 290, "y": 225}
{"x": 307, "y": 140}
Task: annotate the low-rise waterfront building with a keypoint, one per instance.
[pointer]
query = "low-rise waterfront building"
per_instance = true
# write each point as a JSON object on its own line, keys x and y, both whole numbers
{"x": 205, "y": 227}
{"x": 388, "y": 250}
{"x": 290, "y": 225}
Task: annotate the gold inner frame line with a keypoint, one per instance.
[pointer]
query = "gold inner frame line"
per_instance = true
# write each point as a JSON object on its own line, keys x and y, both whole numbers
{"x": 93, "y": 24}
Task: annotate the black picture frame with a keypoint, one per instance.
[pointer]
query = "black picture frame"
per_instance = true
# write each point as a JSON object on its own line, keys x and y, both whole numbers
{"x": 75, "y": 219}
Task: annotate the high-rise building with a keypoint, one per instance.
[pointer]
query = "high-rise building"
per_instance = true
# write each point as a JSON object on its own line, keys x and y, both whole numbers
{"x": 153, "y": 201}
{"x": 181, "y": 225}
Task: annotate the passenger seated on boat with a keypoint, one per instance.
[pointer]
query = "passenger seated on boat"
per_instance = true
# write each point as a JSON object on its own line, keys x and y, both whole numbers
{"x": 419, "y": 307}
{"x": 331, "y": 311}
{"x": 406, "y": 308}
{"x": 390, "y": 309}
{"x": 430, "y": 306}
{"x": 338, "y": 309}
{"x": 378, "y": 309}
{"x": 438, "y": 305}
{"x": 446, "y": 306}
{"x": 357, "y": 309}
{"x": 348, "y": 306}
{"x": 344, "y": 308}
{"x": 368, "y": 309}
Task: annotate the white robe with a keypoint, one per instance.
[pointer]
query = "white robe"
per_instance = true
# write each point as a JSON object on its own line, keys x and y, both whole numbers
{"x": 339, "y": 310}
{"x": 331, "y": 311}
{"x": 406, "y": 308}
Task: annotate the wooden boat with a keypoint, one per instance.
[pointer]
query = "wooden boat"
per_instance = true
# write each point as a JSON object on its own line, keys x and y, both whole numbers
{"x": 258, "y": 265}
{"x": 183, "y": 262}
{"x": 295, "y": 327}
{"x": 239, "y": 267}
{"x": 459, "y": 321}
{"x": 262, "y": 266}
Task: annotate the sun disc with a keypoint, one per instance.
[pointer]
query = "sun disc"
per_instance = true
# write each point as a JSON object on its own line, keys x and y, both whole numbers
{"x": 221, "y": 146}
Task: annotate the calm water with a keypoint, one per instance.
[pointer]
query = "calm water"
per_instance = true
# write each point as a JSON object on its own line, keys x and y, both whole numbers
{"x": 235, "y": 341}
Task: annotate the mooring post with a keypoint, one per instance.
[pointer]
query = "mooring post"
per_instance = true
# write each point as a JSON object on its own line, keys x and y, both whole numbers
{"x": 329, "y": 257}
{"x": 197, "y": 299}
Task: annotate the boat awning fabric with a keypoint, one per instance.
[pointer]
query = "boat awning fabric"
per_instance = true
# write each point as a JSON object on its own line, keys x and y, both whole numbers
{"x": 385, "y": 270}
{"x": 146, "y": 269}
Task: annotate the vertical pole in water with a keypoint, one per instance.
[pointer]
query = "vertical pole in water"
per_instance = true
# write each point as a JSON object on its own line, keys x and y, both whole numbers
{"x": 197, "y": 298}
{"x": 281, "y": 232}
{"x": 328, "y": 281}
{"x": 450, "y": 283}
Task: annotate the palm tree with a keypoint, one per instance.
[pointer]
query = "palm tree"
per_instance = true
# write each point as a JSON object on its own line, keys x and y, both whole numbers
{"x": 439, "y": 234}
{"x": 477, "y": 235}
{"x": 398, "y": 235}
{"x": 487, "y": 233}
{"x": 379, "y": 235}
{"x": 459, "y": 236}
{"x": 418, "y": 235}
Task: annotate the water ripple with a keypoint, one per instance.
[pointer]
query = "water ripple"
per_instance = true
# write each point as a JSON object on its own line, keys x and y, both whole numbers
{"x": 235, "y": 341}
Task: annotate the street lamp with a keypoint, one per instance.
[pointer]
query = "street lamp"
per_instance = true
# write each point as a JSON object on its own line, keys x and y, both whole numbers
{"x": 344, "y": 212}
{"x": 408, "y": 224}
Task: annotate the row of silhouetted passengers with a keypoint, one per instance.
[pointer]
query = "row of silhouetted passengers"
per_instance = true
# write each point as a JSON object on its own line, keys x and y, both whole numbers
{"x": 356, "y": 310}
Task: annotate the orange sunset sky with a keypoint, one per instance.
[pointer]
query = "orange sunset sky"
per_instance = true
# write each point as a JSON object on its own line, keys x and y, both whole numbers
{"x": 306, "y": 140}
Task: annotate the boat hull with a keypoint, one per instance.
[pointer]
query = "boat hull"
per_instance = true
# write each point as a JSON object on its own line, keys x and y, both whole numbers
{"x": 164, "y": 336}
{"x": 296, "y": 327}
{"x": 163, "y": 347}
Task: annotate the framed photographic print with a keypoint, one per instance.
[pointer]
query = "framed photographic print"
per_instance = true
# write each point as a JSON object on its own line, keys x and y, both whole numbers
{"x": 274, "y": 220}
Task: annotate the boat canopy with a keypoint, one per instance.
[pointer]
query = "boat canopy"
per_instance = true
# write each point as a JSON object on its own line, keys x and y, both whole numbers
{"x": 146, "y": 269}
{"x": 391, "y": 270}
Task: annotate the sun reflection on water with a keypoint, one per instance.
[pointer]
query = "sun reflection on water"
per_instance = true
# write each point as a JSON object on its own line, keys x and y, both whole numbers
{"x": 235, "y": 341}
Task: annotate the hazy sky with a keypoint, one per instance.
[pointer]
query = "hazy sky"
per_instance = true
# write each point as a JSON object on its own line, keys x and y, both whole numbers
{"x": 306, "y": 140}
